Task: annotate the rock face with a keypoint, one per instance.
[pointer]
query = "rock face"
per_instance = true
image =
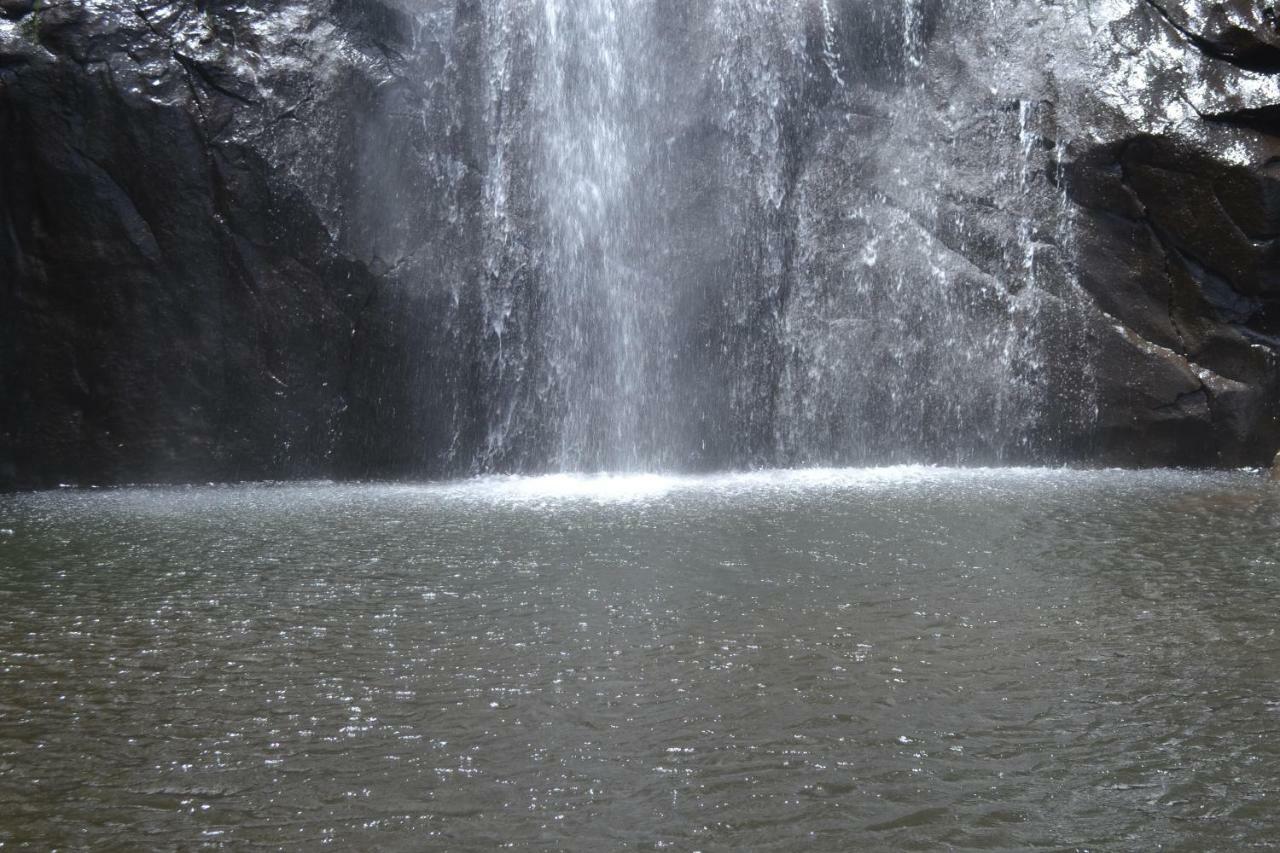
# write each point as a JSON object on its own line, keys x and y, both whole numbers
{"x": 186, "y": 294}
{"x": 1178, "y": 242}
{"x": 300, "y": 239}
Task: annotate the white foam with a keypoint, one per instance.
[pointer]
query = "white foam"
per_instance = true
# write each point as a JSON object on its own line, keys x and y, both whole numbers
{"x": 608, "y": 488}
{"x": 600, "y": 488}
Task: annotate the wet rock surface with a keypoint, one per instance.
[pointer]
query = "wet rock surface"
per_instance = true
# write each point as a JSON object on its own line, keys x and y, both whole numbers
{"x": 183, "y": 298}
{"x": 1178, "y": 230}
{"x": 251, "y": 240}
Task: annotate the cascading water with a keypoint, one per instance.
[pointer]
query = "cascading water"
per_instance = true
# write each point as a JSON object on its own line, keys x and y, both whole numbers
{"x": 578, "y": 363}
{"x": 603, "y": 316}
{"x": 729, "y": 233}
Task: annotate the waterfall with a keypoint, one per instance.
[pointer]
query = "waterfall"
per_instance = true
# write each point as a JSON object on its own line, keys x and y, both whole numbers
{"x": 574, "y": 308}
{"x": 725, "y": 233}
{"x": 591, "y": 153}
{"x": 615, "y": 334}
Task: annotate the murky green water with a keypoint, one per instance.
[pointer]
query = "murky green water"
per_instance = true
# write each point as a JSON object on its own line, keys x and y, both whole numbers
{"x": 881, "y": 660}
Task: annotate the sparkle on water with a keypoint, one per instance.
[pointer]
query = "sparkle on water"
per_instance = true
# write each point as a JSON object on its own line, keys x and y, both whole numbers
{"x": 904, "y": 658}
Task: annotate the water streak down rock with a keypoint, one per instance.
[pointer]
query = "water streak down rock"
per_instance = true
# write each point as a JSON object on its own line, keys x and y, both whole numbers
{"x": 441, "y": 237}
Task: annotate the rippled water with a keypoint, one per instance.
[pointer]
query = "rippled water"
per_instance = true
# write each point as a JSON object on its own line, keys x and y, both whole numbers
{"x": 829, "y": 660}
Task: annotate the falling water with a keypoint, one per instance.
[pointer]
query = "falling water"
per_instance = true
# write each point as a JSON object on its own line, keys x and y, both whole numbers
{"x": 708, "y": 242}
{"x": 602, "y": 315}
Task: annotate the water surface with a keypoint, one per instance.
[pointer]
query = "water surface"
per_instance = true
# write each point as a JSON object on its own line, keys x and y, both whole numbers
{"x": 889, "y": 659}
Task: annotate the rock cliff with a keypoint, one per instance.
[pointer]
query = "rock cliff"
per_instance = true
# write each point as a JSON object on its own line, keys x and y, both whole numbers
{"x": 258, "y": 239}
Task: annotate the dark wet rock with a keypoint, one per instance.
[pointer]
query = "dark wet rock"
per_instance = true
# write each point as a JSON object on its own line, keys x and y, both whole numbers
{"x": 15, "y": 9}
{"x": 181, "y": 300}
{"x": 1243, "y": 32}
{"x": 1178, "y": 240}
{"x": 1175, "y": 249}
